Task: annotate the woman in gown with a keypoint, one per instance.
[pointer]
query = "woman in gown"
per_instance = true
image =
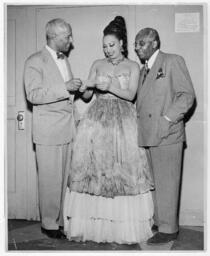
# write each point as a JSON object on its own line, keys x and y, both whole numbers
{"x": 109, "y": 197}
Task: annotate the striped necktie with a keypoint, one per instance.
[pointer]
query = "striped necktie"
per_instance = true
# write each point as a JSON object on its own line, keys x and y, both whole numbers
{"x": 146, "y": 71}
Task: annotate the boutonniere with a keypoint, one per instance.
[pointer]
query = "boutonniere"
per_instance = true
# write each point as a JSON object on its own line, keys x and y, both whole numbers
{"x": 161, "y": 72}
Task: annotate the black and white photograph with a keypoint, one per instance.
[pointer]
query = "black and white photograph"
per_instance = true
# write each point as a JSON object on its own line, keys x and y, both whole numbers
{"x": 105, "y": 127}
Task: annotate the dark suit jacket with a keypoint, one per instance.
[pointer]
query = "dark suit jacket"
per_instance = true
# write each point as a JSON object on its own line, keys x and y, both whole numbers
{"x": 167, "y": 90}
{"x": 53, "y": 122}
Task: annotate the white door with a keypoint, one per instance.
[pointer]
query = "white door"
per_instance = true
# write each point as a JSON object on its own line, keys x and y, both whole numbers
{"x": 25, "y": 35}
{"x": 16, "y": 132}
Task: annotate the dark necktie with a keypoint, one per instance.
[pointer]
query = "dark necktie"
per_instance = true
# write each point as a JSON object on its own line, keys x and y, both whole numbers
{"x": 146, "y": 71}
{"x": 60, "y": 55}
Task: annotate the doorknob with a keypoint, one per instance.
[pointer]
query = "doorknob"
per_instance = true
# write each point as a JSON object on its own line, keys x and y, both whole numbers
{"x": 21, "y": 120}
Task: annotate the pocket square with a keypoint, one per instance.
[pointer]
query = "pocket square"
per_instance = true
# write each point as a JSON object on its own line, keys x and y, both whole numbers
{"x": 160, "y": 73}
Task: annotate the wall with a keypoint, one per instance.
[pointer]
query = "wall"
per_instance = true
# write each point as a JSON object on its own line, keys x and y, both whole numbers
{"x": 191, "y": 47}
{"x": 88, "y": 46}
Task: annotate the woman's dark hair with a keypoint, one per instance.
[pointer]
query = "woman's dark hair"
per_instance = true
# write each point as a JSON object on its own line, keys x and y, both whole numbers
{"x": 117, "y": 28}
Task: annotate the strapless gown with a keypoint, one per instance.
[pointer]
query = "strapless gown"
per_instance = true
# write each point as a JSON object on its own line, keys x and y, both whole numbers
{"x": 109, "y": 196}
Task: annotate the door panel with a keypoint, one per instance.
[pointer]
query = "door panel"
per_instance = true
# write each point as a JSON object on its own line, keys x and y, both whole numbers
{"x": 11, "y": 62}
{"x": 16, "y": 139}
{"x": 11, "y": 130}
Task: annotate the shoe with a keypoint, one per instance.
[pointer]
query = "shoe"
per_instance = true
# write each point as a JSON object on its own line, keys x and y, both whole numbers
{"x": 162, "y": 238}
{"x": 154, "y": 228}
{"x": 53, "y": 233}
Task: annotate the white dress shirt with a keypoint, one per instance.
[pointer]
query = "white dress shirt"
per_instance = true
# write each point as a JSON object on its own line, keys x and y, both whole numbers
{"x": 152, "y": 59}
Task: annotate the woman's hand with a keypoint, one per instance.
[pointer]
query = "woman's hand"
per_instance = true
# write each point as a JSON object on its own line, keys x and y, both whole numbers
{"x": 103, "y": 83}
{"x": 103, "y": 86}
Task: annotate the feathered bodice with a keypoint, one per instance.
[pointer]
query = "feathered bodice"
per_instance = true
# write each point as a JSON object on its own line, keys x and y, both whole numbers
{"x": 123, "y": 80}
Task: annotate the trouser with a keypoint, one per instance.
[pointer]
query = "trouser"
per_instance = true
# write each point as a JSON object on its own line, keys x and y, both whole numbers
{"x": 166, "y": 162}
{"x": 53, "y": 170}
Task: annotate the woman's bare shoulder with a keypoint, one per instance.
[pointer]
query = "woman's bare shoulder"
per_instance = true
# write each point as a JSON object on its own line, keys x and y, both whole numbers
{"x": 99, "y": 62}
{"x": 133, "y": 64}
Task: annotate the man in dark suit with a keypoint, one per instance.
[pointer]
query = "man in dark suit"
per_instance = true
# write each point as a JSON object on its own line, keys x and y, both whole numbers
{"x": 48, "y": 81}
{"x": 164, "y": 96}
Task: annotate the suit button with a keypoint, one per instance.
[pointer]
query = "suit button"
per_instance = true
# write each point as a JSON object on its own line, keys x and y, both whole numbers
{"x": 150, "y": 115}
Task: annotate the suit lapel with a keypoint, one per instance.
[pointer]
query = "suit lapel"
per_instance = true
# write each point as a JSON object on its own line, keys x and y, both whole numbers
{"x": 54, "y": 70}
{"x": 51, "y": 66}
{"x": 142, "y": 76}
{"x": 151, "y": 77}
{"x": 140, "y": 82}
{"x": 70, "y": 75}
{"x": 68, "y": 68}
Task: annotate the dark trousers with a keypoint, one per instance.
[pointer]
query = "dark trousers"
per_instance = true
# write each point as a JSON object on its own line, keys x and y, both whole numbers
{"x": 166, "y": 168}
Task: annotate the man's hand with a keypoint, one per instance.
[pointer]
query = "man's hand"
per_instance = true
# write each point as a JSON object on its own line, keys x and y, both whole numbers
{"x": 74, "y": 84}
{"x": 87, "y": 84}
{"x": 164, "y": 127}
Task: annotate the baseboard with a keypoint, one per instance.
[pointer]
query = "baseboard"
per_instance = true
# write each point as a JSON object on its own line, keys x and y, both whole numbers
{"x": 191, "y": 218}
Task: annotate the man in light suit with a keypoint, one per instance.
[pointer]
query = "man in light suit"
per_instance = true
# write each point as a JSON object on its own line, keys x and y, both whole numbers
{"x": 48, "y": 83}
{"x": 164, "y": 96}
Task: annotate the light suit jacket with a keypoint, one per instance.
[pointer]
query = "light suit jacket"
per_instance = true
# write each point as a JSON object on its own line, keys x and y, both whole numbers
{"x": 53, "y": 122}
{"x": 167, "y": 90}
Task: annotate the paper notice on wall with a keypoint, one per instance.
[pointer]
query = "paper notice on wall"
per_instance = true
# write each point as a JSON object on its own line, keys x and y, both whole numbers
{"x": 187, "y": 22}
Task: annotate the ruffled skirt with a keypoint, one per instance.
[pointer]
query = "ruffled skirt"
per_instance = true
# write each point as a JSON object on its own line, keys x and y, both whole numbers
{"x": 123, "y": 219}
{"x": 110, "y": 182}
